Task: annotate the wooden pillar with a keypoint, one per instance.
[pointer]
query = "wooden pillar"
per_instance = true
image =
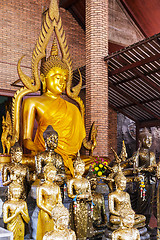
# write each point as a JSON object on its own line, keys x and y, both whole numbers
{"x": 96, "y": 71}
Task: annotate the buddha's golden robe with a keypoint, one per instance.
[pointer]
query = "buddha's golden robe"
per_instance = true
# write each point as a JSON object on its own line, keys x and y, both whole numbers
{"x": 67, "y": 121}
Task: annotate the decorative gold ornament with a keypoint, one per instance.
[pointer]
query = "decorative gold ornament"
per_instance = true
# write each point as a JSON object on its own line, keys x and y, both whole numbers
{"x": 7, "y": 137}
{"x": 48, "y": 195}
{"x": 126, "y": 231}
{"x": 15, "y": 212}
{"x": 60, "y": 215}
{"x": 79, "y": 190}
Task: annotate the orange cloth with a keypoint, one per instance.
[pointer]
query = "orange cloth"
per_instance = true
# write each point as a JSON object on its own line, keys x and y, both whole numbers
{"x": 67, "y": 121}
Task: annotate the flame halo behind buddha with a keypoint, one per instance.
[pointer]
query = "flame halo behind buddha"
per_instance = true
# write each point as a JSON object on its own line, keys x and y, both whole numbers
{"x": 71, "y": 128}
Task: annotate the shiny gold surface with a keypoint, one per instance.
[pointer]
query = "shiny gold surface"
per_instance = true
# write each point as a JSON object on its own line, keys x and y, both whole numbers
{"x": 79, "y": 190}
{"x": 15, "y": 171}
{"x": 60, "y": 215}
{"x": 49, "y": 156}
{"x": 7, "y": 138}
{"x": 126, "y": 230}
{"x": 15, "y": 212}
{"x": 120, "y": 199}
{"x": 48, "y": 194}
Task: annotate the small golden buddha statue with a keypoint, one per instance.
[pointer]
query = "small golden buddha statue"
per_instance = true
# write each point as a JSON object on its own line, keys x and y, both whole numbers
{"x": 15, "y": 212}
{"x": 126, "y": 231}
{"x": 48, "y": 195}
{"x": 60, "y": 215}
{"x": 99, "y": 214}
{"x": 15, "y": 171}
{"x": 79, "y": 190}
{"x": 120, "y": 199}
{"x": 49, "y": 156}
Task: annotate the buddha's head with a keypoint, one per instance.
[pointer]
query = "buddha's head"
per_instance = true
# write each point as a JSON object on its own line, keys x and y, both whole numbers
{"x": 120, "y": 181}
{"x": 54, "y": 73}
{"x": 51, "y": 138}
{"x": 145, "y": 138}
{"x": 127, "y": 216}
{"x": 16, "y": 153}
{"x": 49, "y": 172}
{"x": 60, "y": 215}
{"x": 79, "y": 167}
{"x": 15, "y": 190}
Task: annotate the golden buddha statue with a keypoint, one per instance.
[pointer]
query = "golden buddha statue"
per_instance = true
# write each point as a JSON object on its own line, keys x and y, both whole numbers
{"x": 79, "y": 190}
{"x": 49, "y": 108}
{"x": 120, "y": 199}
{"x": 48, "y": 195}
{"x": 126, "y": 231}
{"x": 15, "y": 171}
{"x": 60, "y": 215}
{"x": 15, "y": 212}
{"x": 49, "y": 156}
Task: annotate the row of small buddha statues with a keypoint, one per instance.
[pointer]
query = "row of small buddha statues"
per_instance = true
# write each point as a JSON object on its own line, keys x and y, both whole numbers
{"x": 87, "y": 210}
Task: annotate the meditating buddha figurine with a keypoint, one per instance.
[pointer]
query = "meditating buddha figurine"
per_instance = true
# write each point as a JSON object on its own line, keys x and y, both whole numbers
{"x": 79, "y": 190}
{"x": 15, "y": 212}
{"x": 49, "y": 156}
{"x": 15, "y": 171}
{"x": 120, "y": 199}
{"x": 60, "y": 215}
{"x": 126, "y": 231}
{"x": 48, "y": 195}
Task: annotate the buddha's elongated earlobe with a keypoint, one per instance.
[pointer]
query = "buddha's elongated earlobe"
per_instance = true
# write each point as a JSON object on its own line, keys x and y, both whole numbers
{"x": 43, "y": 80}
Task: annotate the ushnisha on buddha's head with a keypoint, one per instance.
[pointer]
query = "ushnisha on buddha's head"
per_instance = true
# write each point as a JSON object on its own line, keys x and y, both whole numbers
{"x": 120, "y": 181}
{"x": 51, "y": 138}
{"x": 145, "y": 138}
{"x": 54, "y": 73}
{"x": 16, "y": 153}
{"x": 60, "y": 215}
{"x": 49, "y": 172}
{"x": 79, "y": 166}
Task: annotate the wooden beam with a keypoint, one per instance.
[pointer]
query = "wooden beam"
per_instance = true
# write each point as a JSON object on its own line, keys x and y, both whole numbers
{"x": 150, "y": 123}
{"x": 155, "y": 37}
{"x": 141, "y": 102}
{"x": 135, "y": 64}
{"x": 67, "y": 3}
{"x": 79, "y": 18}
{"x": 127, "y": 96}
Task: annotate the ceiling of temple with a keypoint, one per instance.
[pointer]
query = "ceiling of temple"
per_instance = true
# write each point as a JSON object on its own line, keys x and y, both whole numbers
{"x": 144, "y": 13}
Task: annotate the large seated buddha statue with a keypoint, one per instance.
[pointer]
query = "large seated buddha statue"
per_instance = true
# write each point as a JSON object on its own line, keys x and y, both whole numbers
{"x": 50, "y": 108}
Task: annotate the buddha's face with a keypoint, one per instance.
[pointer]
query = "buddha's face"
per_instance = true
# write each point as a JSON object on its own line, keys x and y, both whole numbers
{"x": 79, "y": 169}
{"x": 16, "y": 193}
{"x": 52, "y": 141}
{"x": 128, "y": 221}
{"x": 17, "y": 156}
{"x": 121, "y": 184}
{"x": 62, "y": 222}
{"x": 56, "y": 81}
{"x": 147, "y": 141}
{"x": 50, "y": 175}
